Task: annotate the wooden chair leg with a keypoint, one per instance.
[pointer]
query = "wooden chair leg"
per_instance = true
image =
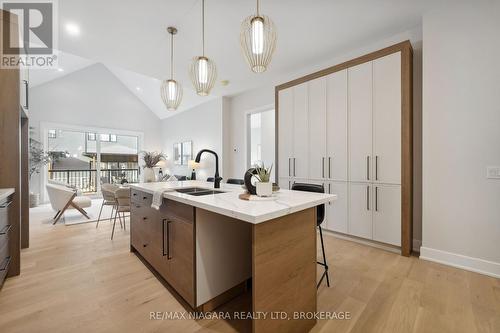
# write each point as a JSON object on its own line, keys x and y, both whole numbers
{"x": 124, "y": 223}
{"x": 81, "y": 210}
{"x": 114, "y": 222}
{"x": 120, "y": 219}
{"x": 64, "y": 209}
{"x": 102, "y": 205}
{"x": 57, "y": 214}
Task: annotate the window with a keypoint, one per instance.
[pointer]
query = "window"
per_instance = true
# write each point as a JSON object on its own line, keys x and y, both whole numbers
{"x": 91, "y": 136}
{"x": 105, "y": 137}
{"x": 260, "y": 139}
{"x": 52, "y": 134}
{"x": 112, "y": 137}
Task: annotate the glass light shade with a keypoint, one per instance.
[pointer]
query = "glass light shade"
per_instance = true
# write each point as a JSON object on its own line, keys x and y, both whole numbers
{"x": 258, "y": 41}
{"x": 171, "y": 94}
{"x": 203, "y": 74}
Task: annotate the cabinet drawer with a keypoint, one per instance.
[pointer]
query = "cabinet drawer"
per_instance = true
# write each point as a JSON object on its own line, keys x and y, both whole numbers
{"x": 4, "y": 214}
{"x": 4, "y": 261}
{"x": 141, "y": 197}
{"x": 4, "y": 236}
{"x": 173, "y": 209}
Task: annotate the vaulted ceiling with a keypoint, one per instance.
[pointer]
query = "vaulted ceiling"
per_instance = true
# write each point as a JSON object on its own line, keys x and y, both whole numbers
{"x": 130, "y": 37}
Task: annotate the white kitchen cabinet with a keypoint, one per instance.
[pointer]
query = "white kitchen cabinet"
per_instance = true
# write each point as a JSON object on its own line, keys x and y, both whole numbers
{"x": 345, "y": 129}
{"x": 317, "y": 129}
{"x": 387, "y": 214}
{"x": 360, "y": 121}
{"x": 386, "y": 165}
{"x": 285, "y": 132}
{"x": 360, "y": 210}
{"x": 337, "y": 211}
{"x": 300, "y": 163}
{"x": 336, "y": 120}
{"x": 285, "y": 183}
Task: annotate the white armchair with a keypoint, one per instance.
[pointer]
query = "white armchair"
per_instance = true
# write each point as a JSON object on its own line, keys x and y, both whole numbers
{"x": 63, "y": 198}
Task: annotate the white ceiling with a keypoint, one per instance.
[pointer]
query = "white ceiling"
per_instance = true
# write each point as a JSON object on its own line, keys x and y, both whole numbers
{"x": 130, "y": 37}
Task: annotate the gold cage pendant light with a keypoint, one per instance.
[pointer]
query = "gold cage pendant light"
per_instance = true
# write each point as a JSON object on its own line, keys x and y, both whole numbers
{"x": 171, "y": 90}
{"x": 258, "y": 40}
{"x": 203, "y": 71}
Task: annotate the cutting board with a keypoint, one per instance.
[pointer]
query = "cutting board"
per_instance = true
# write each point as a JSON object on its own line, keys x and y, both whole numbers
{"x": 250, "y": 197}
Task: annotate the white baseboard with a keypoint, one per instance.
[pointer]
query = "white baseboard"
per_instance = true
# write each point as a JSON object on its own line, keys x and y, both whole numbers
{"x": 476, "y": 265}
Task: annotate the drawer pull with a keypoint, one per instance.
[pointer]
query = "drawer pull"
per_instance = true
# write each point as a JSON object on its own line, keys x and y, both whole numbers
{"x": 6, "y": 229}
{"x": 137, "y": 206}
{"x": 144, "y": 198}
{"x": 167, "y": 254}
{"x": 134, "y": 194}
{"x": 144, "y": 218}
{"x": 7, "y": 262}
{"x": 144, "y": 245}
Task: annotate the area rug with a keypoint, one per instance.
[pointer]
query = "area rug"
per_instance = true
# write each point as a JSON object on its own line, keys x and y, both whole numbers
{"x": 44, "y": 214}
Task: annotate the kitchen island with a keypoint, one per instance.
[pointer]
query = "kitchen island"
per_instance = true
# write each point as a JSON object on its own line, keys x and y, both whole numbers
{"x": 211, "y": 246}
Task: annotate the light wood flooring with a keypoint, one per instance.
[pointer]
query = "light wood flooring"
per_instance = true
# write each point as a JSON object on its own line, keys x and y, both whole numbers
{"x": 75, "y": 279}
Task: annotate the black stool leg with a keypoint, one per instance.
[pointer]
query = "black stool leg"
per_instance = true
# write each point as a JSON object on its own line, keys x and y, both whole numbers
{"x": 324, "y": 264}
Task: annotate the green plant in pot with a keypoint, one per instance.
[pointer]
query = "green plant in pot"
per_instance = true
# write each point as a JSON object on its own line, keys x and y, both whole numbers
{"x": 264, "y": 187}
{"x": 151, "y": 159}
{"x": 38, "y": 158}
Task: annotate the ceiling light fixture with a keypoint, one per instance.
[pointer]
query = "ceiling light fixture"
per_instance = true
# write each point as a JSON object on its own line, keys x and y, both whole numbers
{"x": 72, "y": 29}
{"x": 258, "y": 40}
{"x": 171, "y": 90}
{"x": 203, "y": 71}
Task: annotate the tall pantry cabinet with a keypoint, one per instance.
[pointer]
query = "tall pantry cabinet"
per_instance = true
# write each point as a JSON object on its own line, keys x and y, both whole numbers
{"x": 349, "y": 128}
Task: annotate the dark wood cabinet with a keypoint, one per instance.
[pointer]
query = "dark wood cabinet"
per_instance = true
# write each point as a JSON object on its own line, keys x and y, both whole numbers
{"x": 165, "y": 239}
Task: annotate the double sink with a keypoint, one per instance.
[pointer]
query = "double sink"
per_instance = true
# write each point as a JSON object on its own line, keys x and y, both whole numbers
{"x": 198, "y": 191}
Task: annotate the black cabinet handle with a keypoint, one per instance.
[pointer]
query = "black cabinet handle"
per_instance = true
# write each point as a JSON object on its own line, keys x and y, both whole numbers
{"x": 6, "y": 229}
{"x": 144, "y": 198}
{"x": 144, "y": 245}
{"x": 7, "y": 262}
{"x": 376, "y": 198}
{"x": 144, "y": 218}
{"x": 376, "y": 167}
{"x": 368, "y": 198}
{"x": 134, "y": 194}
{"x": 167, "y": 254}
{"x": 137, "y": 206}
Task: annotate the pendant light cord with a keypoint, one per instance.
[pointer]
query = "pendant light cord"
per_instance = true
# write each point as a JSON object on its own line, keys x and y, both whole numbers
{"x": 203, "y": 27}
{"x": 171, "y": 56}
{"x": 258, "y": 11}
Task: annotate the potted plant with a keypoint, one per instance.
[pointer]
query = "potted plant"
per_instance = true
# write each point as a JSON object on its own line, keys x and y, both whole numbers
{"x": 38, "y": 158}
{"x": 264, "y": 187}
{"x": 151, "y": 158}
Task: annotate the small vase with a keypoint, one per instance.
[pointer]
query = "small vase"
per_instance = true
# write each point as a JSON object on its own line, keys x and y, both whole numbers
{"x": 264, "y": 189}
{"x": 149, "y": 175}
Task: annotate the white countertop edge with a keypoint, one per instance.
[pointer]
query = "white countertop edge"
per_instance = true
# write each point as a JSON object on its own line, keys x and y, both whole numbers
{"x": 5, "y": 192}
{"x": 254, "y": 219}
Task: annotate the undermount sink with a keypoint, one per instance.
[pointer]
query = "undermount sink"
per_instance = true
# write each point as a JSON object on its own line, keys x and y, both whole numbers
{"x": 198, "y": 191}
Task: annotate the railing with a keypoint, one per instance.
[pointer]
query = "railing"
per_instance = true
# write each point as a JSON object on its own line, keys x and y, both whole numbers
{"x": 86, "y": 180}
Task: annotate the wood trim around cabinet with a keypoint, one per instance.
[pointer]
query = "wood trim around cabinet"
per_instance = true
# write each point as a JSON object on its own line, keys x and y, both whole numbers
{"x": 406, "y": 150}
{"x": 406, "y": 127}
{"x": 25, "y": 209}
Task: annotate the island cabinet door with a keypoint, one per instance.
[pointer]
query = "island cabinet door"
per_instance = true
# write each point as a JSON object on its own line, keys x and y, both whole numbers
{"x": 179, "y": 243}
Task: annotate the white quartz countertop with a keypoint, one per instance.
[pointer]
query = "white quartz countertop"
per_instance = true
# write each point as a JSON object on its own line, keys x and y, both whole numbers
{"x": 229, "y": 204}
{"x": 5, "y": 192}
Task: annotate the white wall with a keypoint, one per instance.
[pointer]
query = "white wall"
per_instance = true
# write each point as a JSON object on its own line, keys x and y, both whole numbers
{"x": 262, "y": 97}
{"x": 202, "y": 125}
{"x": 93, "y": 97}
{"x": 461, "y": 131}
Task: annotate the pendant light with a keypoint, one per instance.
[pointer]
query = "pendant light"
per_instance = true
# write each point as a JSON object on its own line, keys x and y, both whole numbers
{"x": 258, "y": 40}
{"x": 203, "y": 71}
{"x": 171, "y": 90}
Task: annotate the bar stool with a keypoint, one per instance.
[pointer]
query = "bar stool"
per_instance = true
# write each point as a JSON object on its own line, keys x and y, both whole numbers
{"x": 320, "y": 218}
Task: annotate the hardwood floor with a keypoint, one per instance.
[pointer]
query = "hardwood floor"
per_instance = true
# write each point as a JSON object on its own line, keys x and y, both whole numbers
{"x": 75, "y": 279}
